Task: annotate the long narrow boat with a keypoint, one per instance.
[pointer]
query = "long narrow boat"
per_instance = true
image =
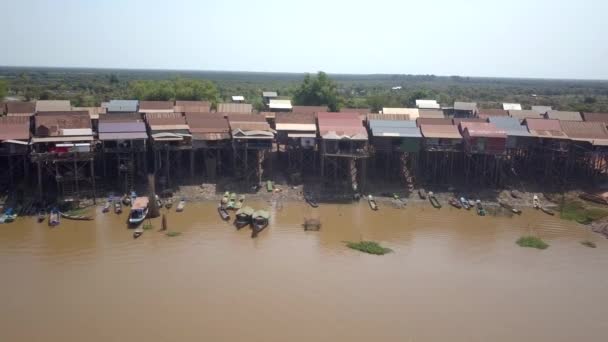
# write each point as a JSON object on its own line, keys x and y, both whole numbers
{"x": 139, "y": 211}
{"x": 310, "y": 200}
{"x": 243, "y": 217}
{"x": 509, "y": 207}
{"x": 516, "y": 194}
{"x": 223, "y": 213}
{"x": 231, "y": 201}
{"x": 455, "y": 203}
{"x": 54, "y": 217}
{"x": 106, "y": 206}
{"x": 239, "y": 204}
{"x": 138, "y": 232}
{"x": 181, "y": 205}
{"x": 8, "y": 216}
{"x": 480, "y": 210}
{"x": 465, "y": 203}
{"x": 422, "y": 193}
{"x": 260, "y": 220}
{"x": 434, "y": 201}
{"x": 536, "y": 202}
{"x": 547, "y": 211}
{"x": 372, "y": 202}
{"x": 76, "y": 217}
{"x": 117, "y": 207}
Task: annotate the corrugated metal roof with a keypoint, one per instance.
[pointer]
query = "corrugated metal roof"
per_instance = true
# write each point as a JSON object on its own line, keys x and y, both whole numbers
{"x": 485, "y": 113}
{"x": 123, "y": 136}
{"x": 310, "y": 127}
{"x": 387, "y": 117}
{"x": 203, "y": 123}
{"x": 511, "y": 106}
{"x": 14, "y": 107}
{"x": 585, "y": 131}
{"x": 279, "y": 104}
{"x": 53, "y": 106}
{"x": 310, "y": 109}
{"x": 269, "y": 94}
{"x": 122, "y": 106}
{"x": 431, "y": 113}
{"x": 512, "y": 126}
{"x": 210, "y": 136}
{"x": 394, "y": 128}
{"x": 524, "y": 114}
{"x": 192, "y": 107}
{"x": 62, "y": 139}
{"x": 121, "y": 117}
{"x": 465, "y": 106}
{"x": 335, "y": 126}
{"x": 427, "y": 104}
{"x": 53, "y": 123}
{"x": 541, "y": 109}
{"x": 248, "y": 122}
{"x": 155, "y": 106}
{"x": 93, "y": 111}
{"x": 596, "y": 117}
{"x": 121, "y": 127}
{"x": 562, "y": 115}
{"x": 165, "y": 119}
{"x": 412, "y": 113}
{"x": 234, "y": 108}
{"x": 14, "y": 128}
{"x": 295, "y": 118}
{"x": 440, "y": 131}
{"x": 434, "y": 121}
{"x": 481, "y": 129}
{"x": 545, "y": 128}
{"x": 457, "y": 121}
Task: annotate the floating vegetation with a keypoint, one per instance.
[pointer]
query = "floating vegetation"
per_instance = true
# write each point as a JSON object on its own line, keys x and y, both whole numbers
{"x": 532, "y": 242}
{"x": 312, "y": 224}
{"x": 173, "y": 234}
{"x": 369, "y": 247}
{"x": 577, "y": 211}
{"x": 589, "y": 244}
{"x": 147, "y": 226}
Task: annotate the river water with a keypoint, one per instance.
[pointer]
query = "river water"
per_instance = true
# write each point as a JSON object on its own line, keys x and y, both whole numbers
{"x": 453, "y": 276}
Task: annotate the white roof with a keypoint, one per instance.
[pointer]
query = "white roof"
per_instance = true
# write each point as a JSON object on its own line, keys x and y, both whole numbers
{"x": 76, "y": 131}
{"x": 413, "y": 113}
{"x": 511, "y": 106}
{"x": 238, "y": 98}
{"x": 427, "y": 104}
{"x": 279, "y": 104}
{"x": 296, "y": 127}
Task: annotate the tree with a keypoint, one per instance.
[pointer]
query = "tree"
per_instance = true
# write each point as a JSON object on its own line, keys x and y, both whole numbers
{"x": 195, "y": 90}
{"x": 318, "y": 91}
{"x": 3, "y": 89}
{"x": 178, "y": 89}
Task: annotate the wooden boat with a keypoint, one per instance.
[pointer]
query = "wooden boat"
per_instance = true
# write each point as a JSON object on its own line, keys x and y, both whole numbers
{"x": 106, "y": 206}
{"x": 480, "y": 210}
{"x": 547, "y": 211}
{"x": 434, "y": 201}
{"x": 231, "y": 201}
{"x": 516, "y": 194}
{"x": 269, "y": 186}
{"x": 536, "y": 202}
{"x": 117, "y": 207}
{"x": 311, "y": 201}
{"x": 126, "y": 200}
{"x": 243, "y": 217}
{"x": 398, "y": 202}
{"x": 138, "y": 232}
{"x": 465, "y": 203}
{"x": 471, "y": 203}
{"x": 455, "y": 203}
{"x": 422, "y": 193}
{"x": 509, "y": 207}
{"x": 239, "y": 204}
{"x": 139, "y": 211}
{"x": 54, "y": 218}
{"x": 76, "y": 217}
{"x": 224, "y": 200}
{"x": 181, "y": 205}
{"x": 169, "y": 203}
{"x": 8, "y": 216}
{"x": 41, "y": 215}
{"x": 223, "y": 213}
{"x": 260, "y": 220}
{"x": 372, "y": 202}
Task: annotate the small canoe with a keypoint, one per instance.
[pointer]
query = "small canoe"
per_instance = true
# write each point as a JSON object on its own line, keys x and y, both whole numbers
{"x": 126, "y": 200}
{"x": 455, "y": 203}
{"x": 269, "y": 186}
{"x": 536, "y": 202}
{"x": 465, "y": 203}
{"x": 434, "y": 201}
{"x": 138, "y": 232}
{"x": 311, "y": 201}
{"x": 547, "y": 211}
{"x": 223, "y": 213}
{"x": 181, "y": 205}
{"x": 239, "y": 204}
{"x": 54, "y": 218}
{"x": 480, "y": 210}
{"x": 372, "y": 202}
{"x": 117, "y": 207}
{"x": 509, "y": 207}
{"x": 231, "y": 201}
{"x": 243, "y": 217}
{"x": 422, "y": 193}
{"x": 471, "y": 203}
{"x": 169, "y": 203}
{"x": 106, "y": 206}
{"x": 8, "y": 216}
{"x": 260, "y": 220}
{"x": 76, "y": 217}
{"x": 516, "y": 194}
{"x": 225, "y": 198}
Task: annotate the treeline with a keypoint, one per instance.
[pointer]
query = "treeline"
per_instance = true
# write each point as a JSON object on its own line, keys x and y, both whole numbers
{"x": 90, "y": 87}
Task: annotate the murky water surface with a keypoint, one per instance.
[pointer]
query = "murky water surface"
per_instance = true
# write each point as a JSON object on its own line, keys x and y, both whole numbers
{"x": 453, "y": 276}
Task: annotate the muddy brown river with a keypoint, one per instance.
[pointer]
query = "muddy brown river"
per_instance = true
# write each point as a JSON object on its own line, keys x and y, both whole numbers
{"x": 453, "y": 276}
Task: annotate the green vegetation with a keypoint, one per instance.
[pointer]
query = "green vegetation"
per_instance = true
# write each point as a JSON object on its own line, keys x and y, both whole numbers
{"x": 179, "y": 89}
{"x": 589, "y": 244}
{"x": 370, "y": 247}
{"x": 147, "y": 226}
{"x": 577, "y": 211}
{"x": 173, "y": 234}
{"x": 3, "y": 88}
{"x": 532, "y": 242}
{"x": 318, "y": 91}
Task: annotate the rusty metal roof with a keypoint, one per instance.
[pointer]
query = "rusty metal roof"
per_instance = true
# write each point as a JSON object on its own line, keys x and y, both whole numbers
{"x": 465, "y": 106}
{"x": 295, "y": 118}
{"x": 541, "y": 109}
{"x": 336, "y": 126}
{"x": 52, "y": 123}
{"x": 485, "y": 113}
{"x": 586, "y": 131}
{"x": 309, "y": 109}
{"x": 524, "y": 114}
{"x": 192, "y": 107}
{"x": 15, "y": 107}
{"x": 53, "y": 106}
{"x": 434, "y": 121}
{"x": 457, "y": 121}
{"x": 392, "y": 117}
{"x": 121, "y": 117}
{"x": 596, "y": 117}
{"x": 166, "y": 121}
{"x": 562, "y": 115}
{"x": 207, "y": 123}
{"x": 14, "y": 128}
{"x": 440, "y": 131}
{"x": 431, "y": 113}
{"x": 481, "y": 129}
{"x": 234, "y": 108}
{"x": 152, "y": 106}
{"x": 94, "y": 112}
{"x": 545, "y": 128}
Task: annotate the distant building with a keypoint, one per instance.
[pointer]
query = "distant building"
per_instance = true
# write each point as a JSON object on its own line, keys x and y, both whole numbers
{"x": 465, "y": 109}
{"x": 238, "y": 99}
{"x": 269, "y": 95}
{"x": 275, "y": 105}
{"x": 511, "y": 106}
{"x": 427, "y": 104}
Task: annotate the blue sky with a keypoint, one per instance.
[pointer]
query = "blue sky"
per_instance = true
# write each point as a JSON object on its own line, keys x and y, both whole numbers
{"x": 516, "y": 38}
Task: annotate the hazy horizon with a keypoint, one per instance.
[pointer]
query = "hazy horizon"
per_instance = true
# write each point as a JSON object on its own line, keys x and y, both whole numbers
{"x": 540, "y": 40}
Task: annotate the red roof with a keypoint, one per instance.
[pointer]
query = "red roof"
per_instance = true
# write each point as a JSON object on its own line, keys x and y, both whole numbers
{"x": 14, "y": 128}
{"x": 546, "y": 128}
{"x": 341, "y": 125}
{"x": 481, "y": 129}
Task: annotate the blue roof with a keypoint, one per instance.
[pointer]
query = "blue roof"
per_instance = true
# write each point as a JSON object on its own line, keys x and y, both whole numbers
{"x": 394, "y": 128}
{"x": 124, "y": 106}
{"x": 510, "y": 125}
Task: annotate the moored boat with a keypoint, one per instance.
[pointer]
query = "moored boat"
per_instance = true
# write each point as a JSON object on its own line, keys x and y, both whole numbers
{"x": 224, "y": 200}
{"x": 471, "y": 203}
{"x": 372, "y": 202}
{"x": 139, "y": 211}
{"x": 126, "y": 200}
{"x": 117, "y": 207}
{"x": 509, "y": 207}
{"x": 106, "y": 206}
{"x": 547, "y": 211}
{"x": 310, "y": 200}
{"x": 465, "y": 203}
{"x": 422, "y": 193}
{"x": 480, "y": 210}
{"x": 223, "y": 213}
{"x": 434, "y": 201}
{"x": 76, "y": 217}
{"x": 243, "y": 217}
{"x": 231, "y": 201}
{"x": 516, "y": 194}
{"x": 535, "y": 202}
{"x": 260, "y": 220}
{"x": 455, "y": 203}
{"x": 181, "y": 205}
{"x": 54, "y": 217}
{"x": 138, "y": 232}
{"x": 169, "y": 203}
{"x": 8, "y": 216}
{"x": 239, "y": 204}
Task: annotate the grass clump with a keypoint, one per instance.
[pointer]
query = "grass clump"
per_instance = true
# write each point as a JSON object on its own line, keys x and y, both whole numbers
{"x": 532, "y": 242}
{"x": 589, "y": 244}
{"x": 369, "y": 247}
{"x": 576, "y": 211}
{"x": 147, "y": 226}
{"x": 173, "y": 234}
